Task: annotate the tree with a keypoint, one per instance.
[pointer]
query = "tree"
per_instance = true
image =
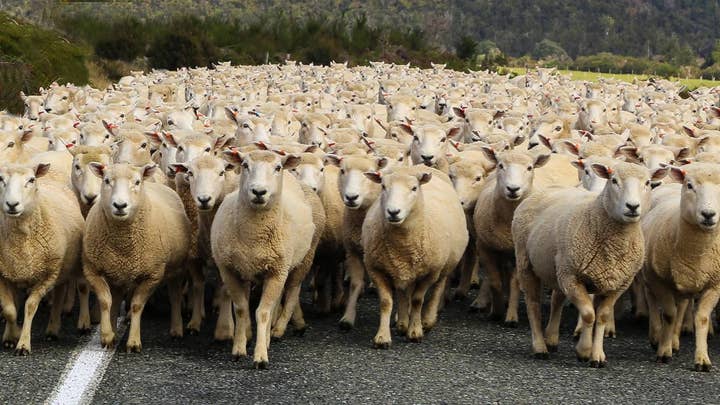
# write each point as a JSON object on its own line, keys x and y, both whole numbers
{"x": 466, "y": 47}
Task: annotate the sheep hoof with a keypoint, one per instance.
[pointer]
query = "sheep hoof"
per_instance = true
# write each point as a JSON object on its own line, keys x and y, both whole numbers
{"x": 598, "y": 364}
{"x": 381, "y": 345}
{"x": 84, "y": 330}
{"x": 552, "y": 348}
{"x": 576, "y": 336}
{"x": 300, "y": 332}
{"x": 610, "y": 334}
{"x": 663, "y": 359}
{"x": 654, "y": 345}
{"x": 261, "y": 365}
{"x": 541, "y": 356}
{"x": 675, "y": 351}
{"x": 415, "y": 339}
{"x": 237, "y": 357}
{"x": 582, "y": 359}
{"x": 135, "y": 348}
{"x": 474, "y": 309}
{"x": 345, "y": 325}
{"x": 193, "y": 332}
{"x": 702, "y": 367}
{"x": 22, "y": 351}
{"x": 9, "y": 344}
{"x": 511, "y": 324}
{"x": 51, "y": 337}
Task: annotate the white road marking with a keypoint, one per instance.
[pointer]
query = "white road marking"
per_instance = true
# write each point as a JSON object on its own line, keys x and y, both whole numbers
{"x": 85, "y": 370}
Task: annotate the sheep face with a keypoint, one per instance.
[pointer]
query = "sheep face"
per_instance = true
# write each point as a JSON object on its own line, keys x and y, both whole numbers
{"x": 18, "y": 188}
{"x": 58, "y": 101}
{"x": 400, "y": 193}
{"x": 206, "y": 176}
{"x": 477, "y": 124}
{"x": 467, "y": 178}
{"x": 11, "y": 143}
{"x": 193, "y": 146}
{"x": 429, "y": 144}
{"x": 627, "y": 192}
{"x": 94, "y": 135}
{"x": 261, "y": 179}
{"x": 311, "y": 132}
{"x": 515, "y": 172}
{"x": 86, "y": 184}
{"x": 253, "y": 129}
{"x": 588, "y": 178}
{"x": 593, "y": 114}
{"x": 700, "y": 195}
{"x": 550, "y": 129}
{"x": 122, "y": 190}
{"x": 179, "y": 119}
{"x": 400, "y": 108}
{"x": 396, "y": 132}
{"x": 33, "y": 106}
{"x": 132, "y": 148}
{"x": 356, "y": 190}
{"x": 310, "y": 171}
{"x": 709, "y": 144}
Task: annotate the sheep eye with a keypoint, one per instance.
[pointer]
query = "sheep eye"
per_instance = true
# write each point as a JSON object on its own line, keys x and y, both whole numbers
{"x": 31, "y": 180}
{"x": 245, "y": 166}
{"x": 180, "y": 149}
{"x": 383, "y": 187}
{"x": 107, "y": 136}
{"x": 137, "y": 182}
{"x": 401, "y": 158}
{"x": 278, "y": 168}
{"x": 587, "y": 172}
{"x": 647, "y": 183}
{"x": 107, "y": 181}
{"x": 322, "y": 169}
{"x": 501, "y": 166}
{"x": 558, "y": 128}
{"x": 207, "y": 149}
{"x": 414, "y": 188}
{"x": 77, "y": 167}
{"x": 690, "y": 186}
{"x": 614, "y": 180}
{"x": 11, "y": 144}
{"x": 416, "y": 139}
{"x": 529, "y": 168}
{"x": 443, "y": 139}
{"x": 478, "y": 178}
{"x": 342, "y": 171}
{"x": 64, "y": 98}
{"x": 246, "y": 126}
{"x": 143, "y": 145}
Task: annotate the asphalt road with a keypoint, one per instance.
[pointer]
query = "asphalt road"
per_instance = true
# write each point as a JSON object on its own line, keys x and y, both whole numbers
{"x": 466, "y": 359}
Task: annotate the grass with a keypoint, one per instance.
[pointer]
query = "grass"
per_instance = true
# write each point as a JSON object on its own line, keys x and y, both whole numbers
{"x": 691, "y": 84}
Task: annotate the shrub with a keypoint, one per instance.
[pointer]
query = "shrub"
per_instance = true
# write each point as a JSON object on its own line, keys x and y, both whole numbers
{"x": 174, "y": 50}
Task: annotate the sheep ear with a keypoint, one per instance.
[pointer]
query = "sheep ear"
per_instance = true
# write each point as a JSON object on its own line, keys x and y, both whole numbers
{"x": 677, "y": 174}
{"x": 459, "y": 112}
{"x": 26, "y": 136}
{"x": 602, "y": 170}
{"x": 154, "y": 137}
{"x": 453, "y": 132}
{"x": 578, "y": 164}
{"x": 629, "y": 152}
{"x": 571, "y": 147}
{"x": 682, "y": 153}
{"x": 229, "y": 167}
{"x": 375, "y": 177}
{"x": 23, "y": 96}
{"x": 42, "y": 169}
{"x": 545, "y": 141}
{"x": 290, "y": 161}
{"x": 179, "y": 167}
{"x": 311, "y": 149}
{"x": 689, "y": 131}
{"x": 659, "y": 174}
{"x": 424, "y": 177}
{"x": 221, "y": 141}
{"x": 149, "y": 170}
{"x": 334, "y": 160}
{"x": 231, "y": 114}
{"x": 490, "y": 154}
{"x": 518, "y": 140}
{"x": 381, "y": 124}
{"x": 170, "y": 138}
{"x": 407, "y": 128}
{"x": 98, "y": 169}
{"x": 541, "y": 160}
{"x": 233, "y": 156}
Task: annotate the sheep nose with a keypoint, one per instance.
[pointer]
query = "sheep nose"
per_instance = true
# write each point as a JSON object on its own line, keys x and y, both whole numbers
{"x": 393, "y": 213}
{"x": 427, "y": 158}
{"x": 48, "y": 109}
{"x": 12, "y": 206}
{"x": 204, "y": 199}
{"x": 632, "y": 207}
{"x": 259, "y": 193}
{"x": 513, "y": 190}
{"x": 707, "y": 214}
{"x": 90, "y": 199}
{"x": 351, "y": 197}
{"x": 120, "y": 206}
{"x": 532, "y": 145}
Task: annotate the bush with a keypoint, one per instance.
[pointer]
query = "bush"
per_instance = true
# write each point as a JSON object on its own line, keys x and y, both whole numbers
{"x": 174, "y": 50}
{"x": 125, "y": 41}
{"x": 31, "y": 57}
{"x": 466, "y": 48}
{"x": 547, "y": 49}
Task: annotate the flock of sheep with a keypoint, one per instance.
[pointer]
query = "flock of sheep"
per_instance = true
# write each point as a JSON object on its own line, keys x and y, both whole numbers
{"x": 414, "y": 180}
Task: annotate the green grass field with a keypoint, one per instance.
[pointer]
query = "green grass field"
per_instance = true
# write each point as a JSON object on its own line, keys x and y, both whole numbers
{"x": 691, "y": 84}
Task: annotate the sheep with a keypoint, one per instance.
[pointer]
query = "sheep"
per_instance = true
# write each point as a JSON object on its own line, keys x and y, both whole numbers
{"x": 136, "y": 236}
{"x": 429, "y": 146}
{"x": 42, "y": 231}
{"x": 413, "y": 236}
{"x": 681, "y": 262}
{"x": 579, "y": 243}
{"x": 85, "y": 184}
{"x": 262, "y": 231}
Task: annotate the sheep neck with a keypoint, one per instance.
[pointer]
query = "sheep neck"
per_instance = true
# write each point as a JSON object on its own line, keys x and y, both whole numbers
{"x": 691, "y": 242}
{"x": 24, "y": 225}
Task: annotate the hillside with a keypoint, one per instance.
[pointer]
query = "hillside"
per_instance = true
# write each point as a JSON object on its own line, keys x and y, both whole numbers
{"x": 685, "y": 28}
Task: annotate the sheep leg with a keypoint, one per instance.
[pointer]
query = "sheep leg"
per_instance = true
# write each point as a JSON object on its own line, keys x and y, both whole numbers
{"x": 467, "y": 266}
{"x": 105, "y": 301}
{"x": 533, "y": 301}
{"x": 683, "y": 305}
{"x": 9, "y": 309}
{"x": 552, "y": 330}
{"x": 292, "y": 300}
{"x": 239, "y": 290}
{"x": 578, "y": 295}
{"x": 511, "y": 316}
{"x": 415, "y": 330}
{"x": 272, "y": 291}
{"x": 688, "y": 319}
{"x": 175, "y": 296}
{"x": 654, "y": 320}
{"x": 482, "y": 301}
{"x": 83, "y": 289}
{"x": 705, "y": 305}
{"x": 578, "y": 325}
{"x": 225, "y": 324}
{"x": 403, "y": 310}
{"x": 323, "y": 288}
{"x": 59, "y": 296}
{"x": 31, "y": 306}
{"x": 475, "y": 275}
{"x": 382, "y": 339}
{"x": 198, "y": 297}
{"x": 68, "y": 301}
{"x": 338, "y": 287}
{"x": 603, "y": 316}
{"x": 356, "y": 270}
{"x": 137, "y": 304}
{"x": 669, "y": 316}
{"x": 298, "y": 320}
{"x": 433, "y": 306}
{"x": 638, "y": 295}
{"x": 494, "y": 278}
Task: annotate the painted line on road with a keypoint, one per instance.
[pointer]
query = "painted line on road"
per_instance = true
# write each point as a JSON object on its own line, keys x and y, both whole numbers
{"x": 85, "y": 370}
